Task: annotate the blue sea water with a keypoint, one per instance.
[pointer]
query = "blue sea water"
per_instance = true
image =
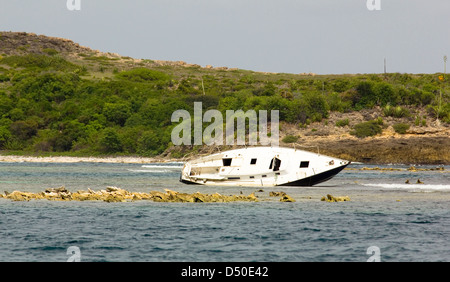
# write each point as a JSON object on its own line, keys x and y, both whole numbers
{"x": 404, "y": 222}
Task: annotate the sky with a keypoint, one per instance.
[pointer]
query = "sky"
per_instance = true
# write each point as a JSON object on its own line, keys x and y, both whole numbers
{"x": 289, "y": 36}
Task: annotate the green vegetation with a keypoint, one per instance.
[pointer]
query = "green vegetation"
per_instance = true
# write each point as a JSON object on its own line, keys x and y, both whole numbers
{"x": 342, "y": 122}
{"x": 397, "y": 112}
{"x": 401, "y": 128}
{"x": 97, "y": 105}
{"x": 419, "y": 121}
{"x": 368, "y": 128}
{"x": 290, "y": 139}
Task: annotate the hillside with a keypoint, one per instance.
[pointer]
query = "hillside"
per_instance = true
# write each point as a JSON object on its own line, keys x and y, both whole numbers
{"x": 60, "y": 98}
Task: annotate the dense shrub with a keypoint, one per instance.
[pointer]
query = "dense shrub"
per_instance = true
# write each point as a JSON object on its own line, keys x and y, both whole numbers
{"x": 117, "y": 113}
{"x": 267, "y": 90}
{"x": 401, "y": 128}
{"x": 337, "y": 104}
{"x": 5, "y": 136}
{"x": 364, "y": 96}
{"x": 290, "y": 139}
{"x": 384, "y": 94}
{"x": 39, "y": 61}
{"x": 143, "y": 75}
{"x": 366, "y": 129}
{"x": 149, "y": 144}
{"x": 369, "y": 94}
{"x": 342, "y": 122}
{"x": 110, "y": 141}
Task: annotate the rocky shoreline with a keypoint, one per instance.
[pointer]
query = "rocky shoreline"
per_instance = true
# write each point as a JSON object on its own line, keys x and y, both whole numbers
{"x": 378, "y": 151}
{"x": 393, "y": 150}
{"x": 66, "y": 159}
{"x": 415, "y": 148}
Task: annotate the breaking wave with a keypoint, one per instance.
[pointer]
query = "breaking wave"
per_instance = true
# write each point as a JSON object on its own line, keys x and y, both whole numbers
{"x": 163, "y": 166}
{"x": 155, "y": 168}
{"x": 437, "y": 187}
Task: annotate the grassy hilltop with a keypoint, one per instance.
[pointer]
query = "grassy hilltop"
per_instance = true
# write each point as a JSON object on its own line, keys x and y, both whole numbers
{"x": 60, "y": 98}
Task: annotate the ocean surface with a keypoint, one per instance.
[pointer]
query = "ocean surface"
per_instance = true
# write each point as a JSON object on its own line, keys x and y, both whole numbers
{"x": 386, "y": 219}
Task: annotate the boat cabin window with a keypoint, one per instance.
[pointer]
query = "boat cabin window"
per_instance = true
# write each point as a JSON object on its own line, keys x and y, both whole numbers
{"x": 304, "y": 164}
{"x": 253, "y": 161}
{"x": 226, "y": 162}
{"x": 275, "y": 163}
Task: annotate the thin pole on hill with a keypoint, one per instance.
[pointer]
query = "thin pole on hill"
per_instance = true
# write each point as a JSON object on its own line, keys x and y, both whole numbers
{"x": 442, "y": 79}
{"x": 203, "y": 87}
{"x": 445, "y": 65}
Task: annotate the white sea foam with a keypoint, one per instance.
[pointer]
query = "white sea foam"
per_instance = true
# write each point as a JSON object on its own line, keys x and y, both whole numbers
{"x": 162, "y": 166}
{"x": 151, "y": 170}
{"x": 410, "y": 186}
{"x": 156, "y": 168}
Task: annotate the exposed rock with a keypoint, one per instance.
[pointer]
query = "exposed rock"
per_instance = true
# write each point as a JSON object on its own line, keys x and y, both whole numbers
{"x": 158, "y": 196}
{"x": 61, "y": 189}
{"x": 57, "y": 194}
{"x": 283, "y": 196}
{"x": 114, "y": 198}
{"x": 22, "y": 196}
{"x": 286, "y": 198}
{"x": 330, "y": 198}
{"x": 115, "y": 194}
{"x": 412, "y": 168}
{"x": 81, "y": 196}
{"x": 276, "y": 194}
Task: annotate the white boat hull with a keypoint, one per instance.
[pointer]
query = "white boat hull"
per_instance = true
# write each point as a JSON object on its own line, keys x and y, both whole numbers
{"x": 262, "y": 166}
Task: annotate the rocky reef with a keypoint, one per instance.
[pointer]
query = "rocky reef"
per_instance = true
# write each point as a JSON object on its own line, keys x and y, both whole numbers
{"x": 330, "y": 198}
{"x": 283, "y": 196}
{"x": 115, "y": 194}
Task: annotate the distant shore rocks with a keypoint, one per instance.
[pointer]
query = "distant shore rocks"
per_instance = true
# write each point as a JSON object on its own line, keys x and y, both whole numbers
{"x": 66, "y": 159}
{"x": 411, "y": 168}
